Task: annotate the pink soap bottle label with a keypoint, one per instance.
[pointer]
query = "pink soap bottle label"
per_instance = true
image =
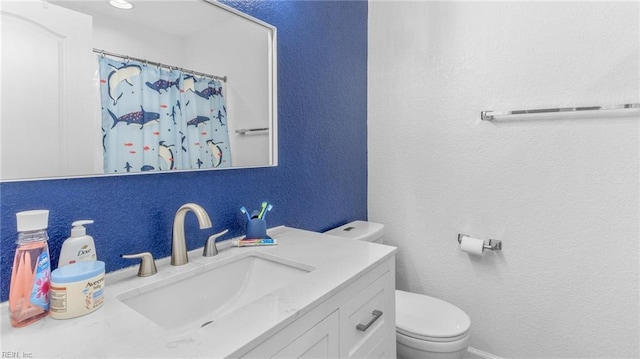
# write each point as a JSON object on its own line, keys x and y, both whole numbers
{"x": 40, "y": 291}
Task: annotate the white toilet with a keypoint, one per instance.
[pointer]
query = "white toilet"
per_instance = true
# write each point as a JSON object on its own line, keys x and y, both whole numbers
{"x": 426, "y": 327}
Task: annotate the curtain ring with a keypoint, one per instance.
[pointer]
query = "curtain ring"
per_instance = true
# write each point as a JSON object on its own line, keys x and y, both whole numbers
{"x": 145, "y": 62}
{"x": 102, "y": 53}
{"x": 126, "y": 59}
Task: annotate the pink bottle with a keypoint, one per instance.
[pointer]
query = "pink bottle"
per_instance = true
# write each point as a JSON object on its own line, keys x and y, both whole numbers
{"x": 29, "y": 290}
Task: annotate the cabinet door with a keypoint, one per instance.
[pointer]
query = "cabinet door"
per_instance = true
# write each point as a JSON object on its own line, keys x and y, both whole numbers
{"x": 48, "y": 94}
{"x": 321, "y": 341}
{"x": 385, "y": 349}
{"x": 368, "y": 318}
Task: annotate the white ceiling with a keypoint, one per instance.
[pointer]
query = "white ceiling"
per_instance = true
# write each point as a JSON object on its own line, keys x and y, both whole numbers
{"x": 180, "y": 17}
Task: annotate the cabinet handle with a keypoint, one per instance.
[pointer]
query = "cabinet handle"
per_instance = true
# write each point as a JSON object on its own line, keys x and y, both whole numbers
{"x": 363, "y": 327}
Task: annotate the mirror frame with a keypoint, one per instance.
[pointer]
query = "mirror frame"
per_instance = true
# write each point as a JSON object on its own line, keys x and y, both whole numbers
{"x": 273, "y": 81}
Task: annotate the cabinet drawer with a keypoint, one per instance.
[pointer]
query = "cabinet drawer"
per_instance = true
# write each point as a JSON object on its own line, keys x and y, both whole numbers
{"x": 368, "y": 318}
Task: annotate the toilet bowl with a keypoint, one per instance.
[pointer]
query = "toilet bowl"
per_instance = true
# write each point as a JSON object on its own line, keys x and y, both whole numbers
{"x": 426, "y": 327}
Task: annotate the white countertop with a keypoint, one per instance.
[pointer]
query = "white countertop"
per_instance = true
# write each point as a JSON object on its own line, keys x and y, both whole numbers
{"x": 118, "y": 331}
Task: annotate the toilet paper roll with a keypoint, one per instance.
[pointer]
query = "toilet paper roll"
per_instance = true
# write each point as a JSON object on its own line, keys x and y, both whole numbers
{"x": 472, "y": 245}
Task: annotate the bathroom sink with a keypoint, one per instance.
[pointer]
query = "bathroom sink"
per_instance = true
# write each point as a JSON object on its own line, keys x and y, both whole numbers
{"x": 194, "y": 299}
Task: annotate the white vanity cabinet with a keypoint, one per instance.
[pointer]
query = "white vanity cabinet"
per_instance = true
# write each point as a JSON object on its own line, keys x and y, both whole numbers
{"x": 325, "y": 297}
{"x": 356, "y": 322}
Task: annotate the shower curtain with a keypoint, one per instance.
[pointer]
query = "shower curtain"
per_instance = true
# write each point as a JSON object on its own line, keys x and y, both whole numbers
{"x": 160, "y": 119}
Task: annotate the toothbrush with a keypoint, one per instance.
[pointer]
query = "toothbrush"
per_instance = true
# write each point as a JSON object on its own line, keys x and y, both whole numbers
{"x": 267, "y": 211}
{"x": 264, "y": 206}
{"x": 244, "y": 210}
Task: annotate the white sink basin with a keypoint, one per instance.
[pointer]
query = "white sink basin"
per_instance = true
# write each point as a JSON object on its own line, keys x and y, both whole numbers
{"x": 199, "y": 297}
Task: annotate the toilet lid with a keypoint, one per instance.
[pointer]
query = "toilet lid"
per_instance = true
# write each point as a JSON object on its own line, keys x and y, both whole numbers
{"x": 423, "y": 317}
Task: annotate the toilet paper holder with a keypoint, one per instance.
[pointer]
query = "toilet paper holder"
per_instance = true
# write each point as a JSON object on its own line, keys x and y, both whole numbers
{"x": 493, "y": 244}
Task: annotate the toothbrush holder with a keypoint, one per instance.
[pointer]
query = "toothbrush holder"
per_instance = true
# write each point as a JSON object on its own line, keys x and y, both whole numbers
{"x": 256, "y": 229}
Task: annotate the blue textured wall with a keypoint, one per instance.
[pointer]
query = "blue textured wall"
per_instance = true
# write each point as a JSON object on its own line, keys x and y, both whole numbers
{"x": 321, "y": 180}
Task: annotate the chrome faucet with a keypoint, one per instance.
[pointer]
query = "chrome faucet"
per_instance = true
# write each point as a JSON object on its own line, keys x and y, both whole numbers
{"x": 178, "y": 243}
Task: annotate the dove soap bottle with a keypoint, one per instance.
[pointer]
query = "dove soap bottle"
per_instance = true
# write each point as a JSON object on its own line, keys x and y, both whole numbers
{"x": 79, "y": 247}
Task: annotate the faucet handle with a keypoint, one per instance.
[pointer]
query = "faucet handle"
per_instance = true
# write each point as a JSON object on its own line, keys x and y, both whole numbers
{"x": 210, "y": 248}
{"x": 147, "y": 265}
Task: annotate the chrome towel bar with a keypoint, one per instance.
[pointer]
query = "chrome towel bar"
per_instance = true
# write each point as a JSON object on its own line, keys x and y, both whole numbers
{"x": 491, "y": 115}
{"x": 245, "y": 130}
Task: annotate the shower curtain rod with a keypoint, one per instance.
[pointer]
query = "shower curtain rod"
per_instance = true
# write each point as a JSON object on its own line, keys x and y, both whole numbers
{"x": 103, "y": 53}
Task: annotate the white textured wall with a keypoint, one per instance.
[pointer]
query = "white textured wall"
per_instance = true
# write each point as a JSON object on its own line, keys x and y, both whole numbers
{"x": 561, "y": 192}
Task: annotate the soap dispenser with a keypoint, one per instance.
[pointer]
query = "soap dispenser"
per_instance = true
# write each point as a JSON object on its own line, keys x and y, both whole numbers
{"x": 79, "y": 247}
{"x": 29, "y": 289}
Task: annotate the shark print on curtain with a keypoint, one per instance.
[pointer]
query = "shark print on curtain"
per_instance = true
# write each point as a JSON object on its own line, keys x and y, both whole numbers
{"x": 160, "y": 119}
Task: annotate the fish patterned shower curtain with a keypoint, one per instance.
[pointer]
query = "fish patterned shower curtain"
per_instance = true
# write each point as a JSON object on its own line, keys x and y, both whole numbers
{"x": 160, "y": 119}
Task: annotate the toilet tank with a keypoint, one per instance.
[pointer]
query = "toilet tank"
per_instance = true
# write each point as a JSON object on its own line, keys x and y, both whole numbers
{"x": 359, "y": 230}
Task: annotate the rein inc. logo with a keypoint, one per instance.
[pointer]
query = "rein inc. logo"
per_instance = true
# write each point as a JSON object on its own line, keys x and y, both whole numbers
{"x": 16, "y": 354}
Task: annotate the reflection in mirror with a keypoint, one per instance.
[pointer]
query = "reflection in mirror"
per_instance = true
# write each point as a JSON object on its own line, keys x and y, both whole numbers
{"x": 90, "y": 89}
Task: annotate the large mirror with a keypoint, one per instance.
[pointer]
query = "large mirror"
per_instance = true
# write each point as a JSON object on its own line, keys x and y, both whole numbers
{"x": 92, "y": 89}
